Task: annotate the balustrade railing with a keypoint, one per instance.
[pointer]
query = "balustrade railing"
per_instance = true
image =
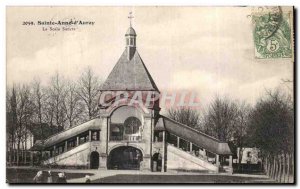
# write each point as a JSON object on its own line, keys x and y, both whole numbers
{"x": 125, "y": 138}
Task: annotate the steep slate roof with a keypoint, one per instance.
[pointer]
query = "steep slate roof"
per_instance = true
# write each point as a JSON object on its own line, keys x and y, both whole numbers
{"x": 129, "y": 75}
{"x": 196, "y": 137}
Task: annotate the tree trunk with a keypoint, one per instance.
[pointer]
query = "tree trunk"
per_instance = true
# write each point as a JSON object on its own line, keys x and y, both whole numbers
{"x": 274, "y": 168}
{"x": 25, "y": 157}
{"x": 9, "y": 158}
{"x": 11, "y": 150}
{"x": 288, "y": 167}
{"x": 277, "y": 168}
{"x": 280, "y": 167}
{"x": 14, "y": 155}
{"x": 266, "y": 166}
{"x": 18, "y": 155}
{"x": 293, "y": 167}
{"x": 283, "y": 168}
{"x": 270, "y": 167}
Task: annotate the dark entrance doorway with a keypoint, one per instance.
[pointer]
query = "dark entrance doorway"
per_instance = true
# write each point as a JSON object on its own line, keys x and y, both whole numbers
{"x": 125, "y": 157}
{"x": 94, "y": 160}
{"x": 156, "y": 162}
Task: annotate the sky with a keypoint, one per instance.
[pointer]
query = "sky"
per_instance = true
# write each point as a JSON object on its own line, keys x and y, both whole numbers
{"x": 209, "y": 50}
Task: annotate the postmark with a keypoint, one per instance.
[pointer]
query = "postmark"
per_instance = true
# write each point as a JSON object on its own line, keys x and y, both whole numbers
{"x": 272, "y": 33}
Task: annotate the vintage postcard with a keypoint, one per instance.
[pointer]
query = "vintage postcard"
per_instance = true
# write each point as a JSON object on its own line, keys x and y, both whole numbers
{"x": 150, "y": 94}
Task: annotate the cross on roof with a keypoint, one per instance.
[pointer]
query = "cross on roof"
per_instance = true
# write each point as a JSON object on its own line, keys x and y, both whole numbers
{"x": 130, "y": 17}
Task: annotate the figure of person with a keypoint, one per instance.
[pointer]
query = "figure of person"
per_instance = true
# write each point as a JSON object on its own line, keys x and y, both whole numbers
{"x": 87, "y": 179}
{"x": 61, "y": 178}
{"x": 64, "y": 175}
{"x": 248, "y": 160}
{"x": 38, "y": 177}
{"x": 49, "y": 178}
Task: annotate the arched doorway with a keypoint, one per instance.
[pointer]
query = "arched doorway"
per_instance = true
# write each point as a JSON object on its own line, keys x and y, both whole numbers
{"x": 94, "y": 160}
{"x": 125, "y": 157}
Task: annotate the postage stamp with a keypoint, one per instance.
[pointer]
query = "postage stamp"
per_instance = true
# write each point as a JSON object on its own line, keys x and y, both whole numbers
{"x": 272, "y": 33}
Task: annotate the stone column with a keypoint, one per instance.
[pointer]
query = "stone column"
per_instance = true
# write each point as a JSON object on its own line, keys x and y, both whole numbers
{"x": 31, "y": 158}
{"x": 230, "y": 161}
{"x": 178, "y": 140}
{"x": 102, "y": 161}
{"x": 163, "y": 152}
{"x": 217, "y": 160}
{"x": 90, "y": 135}
{"x": 66, "y": 146}
{"x": 54, "y": 150}
{"x": 146, "y": 163}
{"x": 230, "y": 170}
{"x": 77, "y": 141}
{"x": 191, "y": 147}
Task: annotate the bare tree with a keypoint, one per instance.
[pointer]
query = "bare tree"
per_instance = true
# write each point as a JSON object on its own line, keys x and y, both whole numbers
{"x": 11, "y": 121}
{"x": 219, "y": 120}
{"x": 55, "y": 101}
{"x": 187, "y": 116}
{"x": 24, "y": 114}
{"x": 38, "y": 98}
{"x": 240, "y": 128}
{"x": 89, "y": 93}
{"x": 49, "y": 110}
{"x": 72, "y": 106}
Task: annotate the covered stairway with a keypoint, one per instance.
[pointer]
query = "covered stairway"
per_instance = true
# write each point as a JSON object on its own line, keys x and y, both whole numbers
{"x": 190, "y": 149}
{"x": 71, "y": 146}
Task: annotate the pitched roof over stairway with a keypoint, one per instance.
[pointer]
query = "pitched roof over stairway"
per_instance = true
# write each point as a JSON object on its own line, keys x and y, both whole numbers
{"x": 129, "y": 75}
{"x": 69, "y": 133}
{"x": 196, "y": 137}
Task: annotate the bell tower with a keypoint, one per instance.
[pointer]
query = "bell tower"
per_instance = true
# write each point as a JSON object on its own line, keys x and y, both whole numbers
{"x": 130, "y": 37}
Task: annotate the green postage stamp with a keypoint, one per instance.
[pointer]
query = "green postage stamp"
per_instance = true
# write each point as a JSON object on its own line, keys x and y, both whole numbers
{"x": 272, "y": 33}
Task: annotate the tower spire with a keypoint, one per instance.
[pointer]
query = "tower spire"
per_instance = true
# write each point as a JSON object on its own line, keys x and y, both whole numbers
{"x": 130, "y": 39}
{"x": 130, "y": 17}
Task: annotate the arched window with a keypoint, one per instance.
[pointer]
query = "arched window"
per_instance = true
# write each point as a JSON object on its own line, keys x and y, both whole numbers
{"x": 132, "y": 125}
{"x": 126, "y": 123}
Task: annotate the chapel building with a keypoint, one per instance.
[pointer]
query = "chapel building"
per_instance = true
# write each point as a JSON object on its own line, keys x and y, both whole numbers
{"x": 134, "y": 136}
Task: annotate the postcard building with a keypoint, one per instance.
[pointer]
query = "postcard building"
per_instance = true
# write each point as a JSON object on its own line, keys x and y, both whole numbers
{"x": 134, "y": 135}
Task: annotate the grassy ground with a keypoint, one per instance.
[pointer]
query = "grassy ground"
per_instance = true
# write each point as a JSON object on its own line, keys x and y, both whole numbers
{"x": 180, "y": 179}
{"x": 26, "y": 175}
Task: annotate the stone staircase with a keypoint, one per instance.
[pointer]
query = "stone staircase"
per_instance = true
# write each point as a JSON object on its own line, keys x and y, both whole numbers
{"x": 182, "y": 160}
{"x": 77, "y": 156}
